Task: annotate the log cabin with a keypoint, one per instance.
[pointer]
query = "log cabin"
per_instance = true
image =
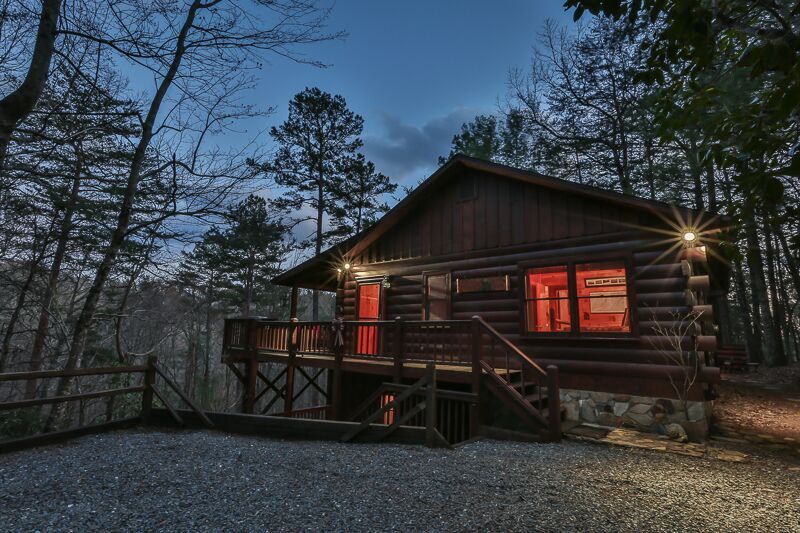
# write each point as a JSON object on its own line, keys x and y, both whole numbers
{"x": 539, "y": 301}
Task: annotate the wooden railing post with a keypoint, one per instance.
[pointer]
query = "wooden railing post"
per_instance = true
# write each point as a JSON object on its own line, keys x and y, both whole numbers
{"x": 290, "y": 343}
{"x": 252, "y": 340}
{"x": 477, "y": 355}
{"x": 430, "y": 406}
{"x": 399, "y": 331}
{"x": 553, "y": 403}
{"x": 147, "y": 394}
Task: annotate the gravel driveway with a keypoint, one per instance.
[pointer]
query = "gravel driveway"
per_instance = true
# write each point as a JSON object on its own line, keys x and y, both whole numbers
{"x": 188, "y": 481}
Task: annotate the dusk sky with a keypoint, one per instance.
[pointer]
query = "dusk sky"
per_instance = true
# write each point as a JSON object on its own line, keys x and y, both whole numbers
{"x": 415, "y": 70}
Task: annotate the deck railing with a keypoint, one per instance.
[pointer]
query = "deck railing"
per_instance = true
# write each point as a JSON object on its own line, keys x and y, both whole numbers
{"x": 472, "y": 343}
{"x": 444, "y": 342}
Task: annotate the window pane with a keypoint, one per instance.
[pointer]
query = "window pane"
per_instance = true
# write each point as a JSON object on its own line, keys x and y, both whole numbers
{"x": 437, "y": 310}
{"x": 602, "y": 297}
{"x": 547, "y": 315}
{"x": 546, "y": 282}
{"x": 491, "y": 283}
{"x": 437, "y": 298}
{"x": 437, "y": 287}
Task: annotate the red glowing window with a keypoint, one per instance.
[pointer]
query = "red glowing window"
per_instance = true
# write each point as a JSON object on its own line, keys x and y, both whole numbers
{"x": 547, "y": 306}
{"x": 602, "y": 297}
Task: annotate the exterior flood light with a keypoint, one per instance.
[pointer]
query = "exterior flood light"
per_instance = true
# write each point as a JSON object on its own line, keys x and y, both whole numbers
{"x": 689, "y": 236}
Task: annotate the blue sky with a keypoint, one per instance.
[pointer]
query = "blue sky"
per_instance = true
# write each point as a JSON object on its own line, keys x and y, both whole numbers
{"x": 415, "y": 70}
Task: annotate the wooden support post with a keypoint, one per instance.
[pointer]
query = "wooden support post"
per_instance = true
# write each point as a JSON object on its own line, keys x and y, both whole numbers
{"x": 430, "y": 406}
{"x": 293, "y": 303}
{"x": 553, "y": 403}
{"x": 399, "y": 331}
{"x": 147, "y": 394}
{"x": 477, "y": 355}
{"x": 251, "y": 375}
{"x": 336, "y": 398}
{"x": 289, "y": 400}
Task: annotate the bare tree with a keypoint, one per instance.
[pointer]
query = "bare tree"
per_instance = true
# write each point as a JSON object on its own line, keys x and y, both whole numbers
{"x": 199, "y": 57}
{"x": 18, "y": 104}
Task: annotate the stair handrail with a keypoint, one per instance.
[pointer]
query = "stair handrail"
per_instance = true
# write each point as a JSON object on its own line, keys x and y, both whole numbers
{"x": 511, "y": 346}
{"x": 154, "y": 368}
{"x": 550, "y": 377}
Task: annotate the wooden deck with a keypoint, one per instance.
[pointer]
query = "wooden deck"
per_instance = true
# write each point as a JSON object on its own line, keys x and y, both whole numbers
{"x": 449, "y": 372}
{"x": 464, "y": 352}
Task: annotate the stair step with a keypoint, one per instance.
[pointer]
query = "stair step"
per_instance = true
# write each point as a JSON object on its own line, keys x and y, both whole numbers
{"x": 534, "y": 399}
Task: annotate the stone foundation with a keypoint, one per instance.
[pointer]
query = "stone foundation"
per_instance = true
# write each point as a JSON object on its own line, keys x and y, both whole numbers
{"x": 640, "y": 412}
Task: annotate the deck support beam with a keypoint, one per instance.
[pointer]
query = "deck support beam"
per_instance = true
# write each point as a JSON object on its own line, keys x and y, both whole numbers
{"x": 335, "y": 399}
{"x": 477, "y": 372}
{"x": 288, "y": 403}
{"x": 251, "y": 378}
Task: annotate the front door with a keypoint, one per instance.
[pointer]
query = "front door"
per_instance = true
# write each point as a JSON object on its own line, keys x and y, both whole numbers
{"x": 369, "y": 309}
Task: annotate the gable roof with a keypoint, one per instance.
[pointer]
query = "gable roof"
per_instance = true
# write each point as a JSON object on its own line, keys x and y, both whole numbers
{"x": 458, "y": 163}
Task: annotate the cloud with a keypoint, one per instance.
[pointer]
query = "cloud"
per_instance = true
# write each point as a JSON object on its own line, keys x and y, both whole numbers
{"x": 408, "y": 153}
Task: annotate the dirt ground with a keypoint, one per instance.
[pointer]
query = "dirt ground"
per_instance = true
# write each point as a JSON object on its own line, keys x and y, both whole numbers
{"x": 765, "y": 402}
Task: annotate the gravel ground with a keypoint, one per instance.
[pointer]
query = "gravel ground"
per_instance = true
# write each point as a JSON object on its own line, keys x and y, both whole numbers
{"x": 195, "y": 481}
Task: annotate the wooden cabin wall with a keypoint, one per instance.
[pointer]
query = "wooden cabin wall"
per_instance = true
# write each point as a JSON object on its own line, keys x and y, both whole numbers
{"x": 509, "y": 223}
{"x": 658, "y": 291}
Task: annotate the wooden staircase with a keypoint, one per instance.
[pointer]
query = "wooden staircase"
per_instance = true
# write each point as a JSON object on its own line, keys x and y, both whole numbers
{"x": 527, "y": 398}
{"x": 524, "y": 388}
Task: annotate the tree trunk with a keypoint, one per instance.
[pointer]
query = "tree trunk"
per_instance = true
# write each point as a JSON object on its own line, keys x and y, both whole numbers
{"x": 650, "y": 176}
{"x": 15, "y": 314}
{"x": 773, "y": 345}
{"x": 695, "y": 172}
{"x": 778, "y": 324}
{"x": 752, "y": 335}
{"x": 81, "y": 330}
{"x": 318, "y": 246}
{"x": 711, "y": 185}
{"x": 19, "y": 104}
{"x": 207, "y": 351}
{"x": 791, "y": 264}
{"x": 55, "y": 272}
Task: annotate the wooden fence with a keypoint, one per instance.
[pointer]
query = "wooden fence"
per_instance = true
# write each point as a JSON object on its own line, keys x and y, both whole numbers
{"x": 147, "y": 387}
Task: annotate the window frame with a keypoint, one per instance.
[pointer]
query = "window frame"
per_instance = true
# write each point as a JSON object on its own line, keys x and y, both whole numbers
{"x": 449, "y": 291}
{"x": 507, "y": 279}
{"x": 626, "y": 258}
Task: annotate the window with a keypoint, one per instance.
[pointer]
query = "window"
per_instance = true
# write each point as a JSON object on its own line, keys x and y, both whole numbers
{"x": 547, "y": 300}
{"x": 437, "y": 297}
{"x": 595, "y": 295}
{"x": 602, "y": 297}
{"x": 485, "y": 284}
